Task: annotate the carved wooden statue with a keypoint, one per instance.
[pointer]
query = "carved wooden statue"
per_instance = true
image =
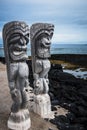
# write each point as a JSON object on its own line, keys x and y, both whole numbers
{"x": 16, "y": 37}
{"x": 40, "y": 35}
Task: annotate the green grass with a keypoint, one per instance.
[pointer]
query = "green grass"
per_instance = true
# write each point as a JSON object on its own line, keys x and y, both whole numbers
{"x": 68, "y": 65}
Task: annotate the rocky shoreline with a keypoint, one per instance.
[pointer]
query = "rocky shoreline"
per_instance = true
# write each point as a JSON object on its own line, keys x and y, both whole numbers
{"x": 72, "y": 63}
{"x": 78, "y": 59}
{"x": 70, "y": 93}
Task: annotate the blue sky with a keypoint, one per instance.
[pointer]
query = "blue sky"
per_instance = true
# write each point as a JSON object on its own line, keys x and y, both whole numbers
{"x": 68, "y": 16}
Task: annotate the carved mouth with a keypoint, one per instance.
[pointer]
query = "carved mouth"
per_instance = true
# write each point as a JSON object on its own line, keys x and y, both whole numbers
{"x": 46, "y": 45}
{"x": 18, "y": 52}
{"x": 20, "y": 48}
{"x": 43, "y": 50}
{"x": 18, "y": 55}
{"x": 46, "y": 50}
{"x": 45, "y": 42}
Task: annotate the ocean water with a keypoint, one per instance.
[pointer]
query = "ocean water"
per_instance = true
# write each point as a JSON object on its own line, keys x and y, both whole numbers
{"x": 69, "y": 49}
{"x": 59, "y": 49}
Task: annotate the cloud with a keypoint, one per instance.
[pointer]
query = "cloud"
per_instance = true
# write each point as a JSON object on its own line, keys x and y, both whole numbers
{"x": 68, "y": 16}
{"x": 57, "y": 4}
{"x": 69, "y": 33}
{"x": 82, "y": 22}
{"x": 33, "y": 1}
{"x": 61, "y": 11}
{"x": 65, "y": 37}
{"x": 62, "y": 2}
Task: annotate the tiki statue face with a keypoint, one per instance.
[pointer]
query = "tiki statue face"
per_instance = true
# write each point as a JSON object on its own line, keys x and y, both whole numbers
{"x": 41, "y": 35}
{"x": 18, "y": 47}
{"x": 43, "y": 46}
{"x": 16, "y": 37}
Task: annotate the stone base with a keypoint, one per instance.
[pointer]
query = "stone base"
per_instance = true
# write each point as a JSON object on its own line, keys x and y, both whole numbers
{"x": 42, "y": 105}
{"x": 20, "y": 120}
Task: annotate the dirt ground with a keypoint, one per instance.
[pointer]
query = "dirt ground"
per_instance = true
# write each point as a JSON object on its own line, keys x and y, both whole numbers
{"x": 37, "y": 123}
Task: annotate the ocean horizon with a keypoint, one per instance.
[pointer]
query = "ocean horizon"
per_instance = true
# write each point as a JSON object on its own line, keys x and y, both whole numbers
{"x": 69, "y": 49}
{"x": 58, "y": 49}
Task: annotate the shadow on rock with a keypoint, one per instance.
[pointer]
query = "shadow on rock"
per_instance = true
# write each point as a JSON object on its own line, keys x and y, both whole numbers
{"x": 70, "y": 93}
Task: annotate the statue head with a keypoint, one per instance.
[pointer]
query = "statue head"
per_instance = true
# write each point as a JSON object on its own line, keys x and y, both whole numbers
{"x": 41, "y": 35}
{"x": 16, "y": 37}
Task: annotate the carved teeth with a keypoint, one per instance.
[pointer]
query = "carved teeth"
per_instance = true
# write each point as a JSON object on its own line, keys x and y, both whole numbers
{"x": 18, "y": 53}
{"x": 45, "y": 50}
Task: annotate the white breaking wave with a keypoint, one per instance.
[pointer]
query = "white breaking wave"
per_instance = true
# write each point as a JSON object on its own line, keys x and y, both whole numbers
{"x": 78, "y": 73}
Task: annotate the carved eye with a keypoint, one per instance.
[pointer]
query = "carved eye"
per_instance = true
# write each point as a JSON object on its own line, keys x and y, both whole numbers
{"x": 26, "y": 90}
{"x": 38, "y": 82}
{"x": 22, "y": 40}
{"x": 14, "y": 39}
{"x": 27, "y": 38}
